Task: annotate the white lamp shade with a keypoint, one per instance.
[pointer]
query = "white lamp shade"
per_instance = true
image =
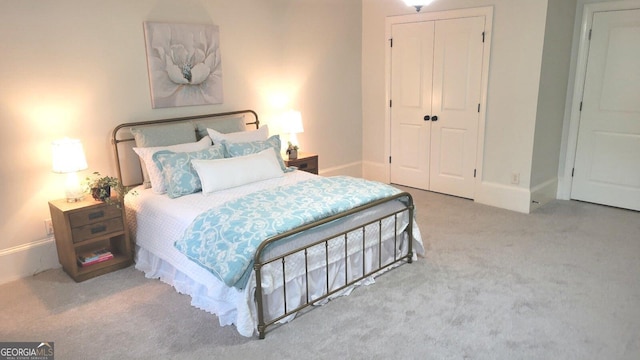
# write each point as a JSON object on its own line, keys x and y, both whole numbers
{"x": 68, "y": 156}
{"x": 293, "y": 122}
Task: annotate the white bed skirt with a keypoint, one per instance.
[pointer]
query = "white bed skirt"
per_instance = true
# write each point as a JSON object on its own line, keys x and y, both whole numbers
{"x": 212, "y": 297}
{"x": 233, "y": 306}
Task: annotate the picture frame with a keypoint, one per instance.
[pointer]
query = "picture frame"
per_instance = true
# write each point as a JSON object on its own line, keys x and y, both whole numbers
{"x": 184, "y": 64}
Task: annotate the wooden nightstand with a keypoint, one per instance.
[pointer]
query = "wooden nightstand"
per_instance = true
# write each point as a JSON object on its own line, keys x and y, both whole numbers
{"x": 306, "y": 162}
{"x": 87, "y": 226}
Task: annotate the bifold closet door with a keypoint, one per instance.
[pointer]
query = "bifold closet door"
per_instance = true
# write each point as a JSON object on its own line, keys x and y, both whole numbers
{"x": 411, "y": 85}
{"x": 436, "y": 69}
{"x": 457, "y": 70}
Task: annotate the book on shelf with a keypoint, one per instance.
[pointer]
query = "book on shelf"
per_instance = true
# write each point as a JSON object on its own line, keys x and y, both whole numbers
{"x": 95, "y": 261}
{"x": 94, "y": 257}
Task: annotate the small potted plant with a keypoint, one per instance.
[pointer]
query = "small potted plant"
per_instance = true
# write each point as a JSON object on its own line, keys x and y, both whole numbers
{"x": 100, "y": 188}
{"x": 292, "y": 151}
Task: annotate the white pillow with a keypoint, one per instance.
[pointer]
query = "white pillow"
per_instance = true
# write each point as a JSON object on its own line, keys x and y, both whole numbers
{"x": 220, "y": 174}
{"x": 155, "y": 174}
{"x": 261, "y": 134}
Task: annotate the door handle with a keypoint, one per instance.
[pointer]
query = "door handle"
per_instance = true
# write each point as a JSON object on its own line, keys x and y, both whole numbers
{"x": 427, "y": 118}
{"x": 434, "y": 118}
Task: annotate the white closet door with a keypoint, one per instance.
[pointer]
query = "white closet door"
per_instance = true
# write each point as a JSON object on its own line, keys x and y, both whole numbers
{"x": 607, "y": 165}
{"x": 457, "y": 74}
{"x": 411, "y": 83}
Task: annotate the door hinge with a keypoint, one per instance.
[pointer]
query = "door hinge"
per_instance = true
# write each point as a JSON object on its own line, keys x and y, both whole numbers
{"x": 589, "y": 34}
{"x": 478, "y": 107}
{"x": 391, "y": 42}
{"x": 573, "y": 170}
{"x": 580, "y": 106}
{"x": 390, "y": 103}
{"x": 474, "y": 172}
{"x": 483, "y": 36}
{"x": 389, "y": 159}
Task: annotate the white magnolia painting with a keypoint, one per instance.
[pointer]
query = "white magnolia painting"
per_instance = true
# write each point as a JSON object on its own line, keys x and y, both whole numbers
{"x": 185, "y": 66}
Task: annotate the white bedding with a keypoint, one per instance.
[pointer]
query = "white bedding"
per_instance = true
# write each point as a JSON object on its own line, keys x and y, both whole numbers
{"x": 156, "y": 222}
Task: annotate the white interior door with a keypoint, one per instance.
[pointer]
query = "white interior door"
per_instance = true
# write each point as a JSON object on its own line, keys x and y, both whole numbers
{"x": 436, "y": 71}
{"x": 607, "y": 165}
{"x": 411, "y": 93}
{"x": 457, "y": 74}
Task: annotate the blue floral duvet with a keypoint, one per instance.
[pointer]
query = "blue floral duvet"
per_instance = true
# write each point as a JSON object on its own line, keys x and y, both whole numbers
{"x": 224, "y": 239}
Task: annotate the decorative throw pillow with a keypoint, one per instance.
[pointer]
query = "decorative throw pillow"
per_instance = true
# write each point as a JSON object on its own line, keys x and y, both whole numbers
{"x": 155, "y": 175}
{"x": 227, "y": 173}
{"x": 243, "y": 149}
{"x": 260, "y": 134}
{"x": 180, "y": 178}
{"x": 225, "y": 125}
{"x": 162, "y": 135}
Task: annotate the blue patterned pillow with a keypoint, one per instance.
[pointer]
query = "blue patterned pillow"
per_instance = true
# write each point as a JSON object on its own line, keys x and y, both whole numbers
{"x": 161, "y": 135}
{"x": 253, "y": 147}
{"x": 179, "y": 175}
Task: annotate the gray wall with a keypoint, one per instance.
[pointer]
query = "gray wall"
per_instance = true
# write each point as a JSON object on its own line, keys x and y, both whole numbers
{"x": 77, "y": 68}
{"x": 513, "y": 87}
{"x": 556, "y": 58}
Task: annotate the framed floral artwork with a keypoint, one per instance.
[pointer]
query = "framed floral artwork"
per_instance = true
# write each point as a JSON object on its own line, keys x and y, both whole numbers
{"x": 184, "y": 63}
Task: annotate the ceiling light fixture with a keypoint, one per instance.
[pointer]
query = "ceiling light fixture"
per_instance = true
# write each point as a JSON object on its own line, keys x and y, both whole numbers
{"x": 418, "y": 4}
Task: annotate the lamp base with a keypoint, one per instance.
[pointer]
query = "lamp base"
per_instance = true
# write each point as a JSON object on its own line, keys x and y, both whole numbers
{"x": 73, "y": 190}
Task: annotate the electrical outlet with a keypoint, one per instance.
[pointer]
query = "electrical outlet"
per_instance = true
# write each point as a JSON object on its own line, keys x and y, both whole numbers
{"x": 515, "y": 178}
{"x": 48, "y": 227}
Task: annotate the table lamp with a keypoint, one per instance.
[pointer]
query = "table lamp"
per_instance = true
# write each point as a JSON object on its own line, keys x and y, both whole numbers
{"x": 293, "y": 126}
{"x": 68, "y": 158}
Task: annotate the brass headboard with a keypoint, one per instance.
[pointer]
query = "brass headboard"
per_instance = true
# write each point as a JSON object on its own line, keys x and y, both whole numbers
{"x": 127, "y": 162}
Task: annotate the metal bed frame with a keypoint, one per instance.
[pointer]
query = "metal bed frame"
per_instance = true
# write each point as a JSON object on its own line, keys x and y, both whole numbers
{"x": 261, "y": 259}
{"x": 116, "y": 140}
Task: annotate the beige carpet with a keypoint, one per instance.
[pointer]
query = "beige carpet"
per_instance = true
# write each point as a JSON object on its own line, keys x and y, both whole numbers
{"x": 561, "y": 283}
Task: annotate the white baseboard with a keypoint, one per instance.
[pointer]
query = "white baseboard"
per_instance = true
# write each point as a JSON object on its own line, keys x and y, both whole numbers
{"x": 375, "y": 171}
{"x": 28, "y": 259}
{"x": 353, "y": 169}
{"x": 544, "y": 193}
{"x": 564, "y": 188}
{"x": 503, "y": 196}
{"x": 32, "y": 258}
{"x": 493, "y": 194}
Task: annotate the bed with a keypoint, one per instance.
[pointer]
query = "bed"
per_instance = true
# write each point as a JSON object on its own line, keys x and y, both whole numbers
{"x": 294, "y": 253}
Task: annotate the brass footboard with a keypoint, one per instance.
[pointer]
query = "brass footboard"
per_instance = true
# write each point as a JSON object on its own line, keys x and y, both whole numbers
{"x": 262, "y": 259}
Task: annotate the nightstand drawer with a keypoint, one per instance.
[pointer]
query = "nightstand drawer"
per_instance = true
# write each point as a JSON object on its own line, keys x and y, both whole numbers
{"x": 310, "y": 166}
{"x": 305, "y": 162}
{"x": 93, "y": 230}
{"x": 93, "y": 215}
